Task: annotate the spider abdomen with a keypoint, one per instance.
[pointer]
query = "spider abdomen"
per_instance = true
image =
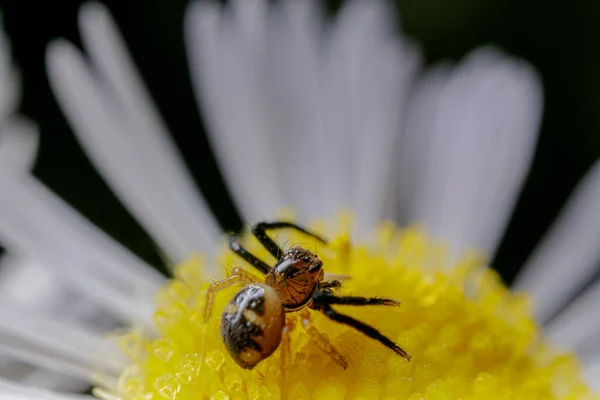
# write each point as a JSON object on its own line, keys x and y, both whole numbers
{"x": 252, "y": 324}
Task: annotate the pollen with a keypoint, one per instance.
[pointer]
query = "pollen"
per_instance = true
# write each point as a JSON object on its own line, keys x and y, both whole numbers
{"x": 468, "y": 335}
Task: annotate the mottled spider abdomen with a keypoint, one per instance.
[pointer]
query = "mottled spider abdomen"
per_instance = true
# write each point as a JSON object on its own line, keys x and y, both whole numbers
{"x": 252, "y": 324}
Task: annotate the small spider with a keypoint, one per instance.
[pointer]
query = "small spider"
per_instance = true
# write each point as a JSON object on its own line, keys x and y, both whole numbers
{"x": 254, "y": 321}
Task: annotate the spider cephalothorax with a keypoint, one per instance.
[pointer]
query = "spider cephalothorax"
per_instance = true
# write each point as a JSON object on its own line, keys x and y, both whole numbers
{"x": 295, "y": 277}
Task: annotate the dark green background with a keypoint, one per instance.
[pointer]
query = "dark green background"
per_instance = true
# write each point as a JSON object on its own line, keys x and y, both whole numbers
{"x": 559, "y": 38}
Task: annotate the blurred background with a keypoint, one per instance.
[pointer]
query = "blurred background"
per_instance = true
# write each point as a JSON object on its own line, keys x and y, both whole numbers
{"x": 559, "y": 39}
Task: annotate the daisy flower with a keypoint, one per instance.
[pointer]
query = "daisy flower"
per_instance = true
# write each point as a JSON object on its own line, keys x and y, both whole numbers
{"x": 411, "y": 174}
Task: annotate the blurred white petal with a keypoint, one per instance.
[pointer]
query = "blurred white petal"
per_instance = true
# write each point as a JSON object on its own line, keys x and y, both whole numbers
{"x": 303, "y": 110}
{"x": 380, "y": 68}
{"x": 39, "y": 287}
{"x": 226, "y": 71}
{"x": 28, "y": 282}
{"x": 591, "y": 372}
{"x": 32, "y": 284}
{"x": 293, "y": 92}
{"x": 18, "y": 136}
{"x": 119, "y": 128}
{"x": 14, "y": 391}
{"x": 18, "y": 144}
{"x": 34, "y": 221}
{"x": 25, "y": 281}
{"x": 26, "y": 374}
{"x": 569, "y": 254}
{"x": 10, "y": 82}
{"x": 469, "y": 141}
{"x": 577, "y": 323}
{"x": 56, "y": 382}
{"x": 58, "y": 344}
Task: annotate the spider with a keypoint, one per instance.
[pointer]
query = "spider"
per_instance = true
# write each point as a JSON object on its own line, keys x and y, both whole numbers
{"x": 254, "y": 322}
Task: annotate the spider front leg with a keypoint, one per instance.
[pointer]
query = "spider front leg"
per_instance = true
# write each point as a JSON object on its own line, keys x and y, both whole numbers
{"x": 236, "y": 247}
{"x": 260, "y": 231}
{"x": 321, "y": 340}
{"x": 238, "y": 275}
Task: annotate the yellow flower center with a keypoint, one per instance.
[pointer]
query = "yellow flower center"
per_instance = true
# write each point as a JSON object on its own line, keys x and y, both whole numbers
{"x": 469, "y": 337}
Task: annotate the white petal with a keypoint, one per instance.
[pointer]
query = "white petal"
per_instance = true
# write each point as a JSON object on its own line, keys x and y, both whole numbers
{"x": 27, "y": 375}
{"x": 250, "y": 18}
{"x": 228, "y": 78}
{"x": 39, "y": 287}
{"x": 318, "y": 107}
{"x": 14, "y": 391}
{"x": 18, "y": 136}
{"x": 579, "y": 322}
{"x": 56, "y": 344}
{"x": 31, "y": 284}
{"x": 591, "y": 370}
{"x": 293, "y": 91}
{"x": 119, "y": 128}
{"x": 469, "y": 142}
{"x": 385, "y": 78}
{"x": 568, "y": 255}
{"x": 36, "y": 222}
{"x": 10, "y": 83}
{"x": 414, "y": 159}
{"x": 338, "y": 94}
{"x": 18, "y": 144}
{"x": 56, "y": 382}
{"x": 367, "y": 76}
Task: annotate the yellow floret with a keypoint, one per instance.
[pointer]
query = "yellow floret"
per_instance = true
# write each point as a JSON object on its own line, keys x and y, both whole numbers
{"x": 468, "y": 335}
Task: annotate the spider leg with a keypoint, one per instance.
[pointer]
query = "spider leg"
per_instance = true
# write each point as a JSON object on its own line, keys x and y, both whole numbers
{"x": 238, "y": 275}
{"x": 260, "y": 231}
{"x": 337, "y": 277}
{"x": 286, "y": 355}
{"x": 323, "y": 297}
{"x": 361, "y": 327}
{"x": 236, "y": 247}
{"x": 330, "y": 284}
{"x": 322, "y": 341}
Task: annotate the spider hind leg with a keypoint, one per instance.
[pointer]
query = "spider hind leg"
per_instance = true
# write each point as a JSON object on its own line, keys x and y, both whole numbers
{"x": 322, "y": 341}
{"x": 286, "y": 355}
{"x": 325, "y": 298}
{"x": 363, "y": 328}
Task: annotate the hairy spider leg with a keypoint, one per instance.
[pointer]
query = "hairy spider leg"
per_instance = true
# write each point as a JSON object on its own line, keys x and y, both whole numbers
{"x": 337, "y": 277}
{"x": 238, "y": 275}
{"x": 286, "y": 354}
{"x": 330, "y": 284}
{"x": 321, "y": 340}
{"x": 260, "y": 231}
{"x": 326, "y": 298}
{"x": 236, "y": 247}
{"x": 361, "y": 327}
